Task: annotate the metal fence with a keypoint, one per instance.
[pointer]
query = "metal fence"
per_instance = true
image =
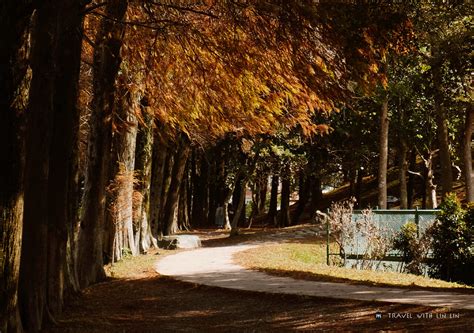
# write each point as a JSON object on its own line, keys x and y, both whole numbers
{"x": 388, "y": 221}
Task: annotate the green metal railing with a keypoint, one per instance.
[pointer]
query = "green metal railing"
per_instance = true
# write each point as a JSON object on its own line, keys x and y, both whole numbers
{"x": 390, "y": 219}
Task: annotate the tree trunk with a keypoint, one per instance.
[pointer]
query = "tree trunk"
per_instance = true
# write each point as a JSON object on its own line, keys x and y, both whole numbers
{"x": 272, "y": 210}
{"x": 429, "y": 183}
{"x": 284, "y": 216}
{"x": 63, "y": 193}
{"x": 411, "y": 179}
{"x": 239, "y": 208}
{"x": 122, "y": 176}
{"x": 212, "y": 193}
{"x": 40, "y": 116}
{"x": 442, "y": 134}
{"x": 14, "y": 18}
{"x": 467, "y": 153}
{"x": 316, "y": 193}
{"x": 107, "y": 62}
{"x": 143, "y": 158}
{"x": 236, "y": 195}
{"x": 303, "y": 197}
{"x": 383, "y": 154}
{"x": 159, "y": 158}
{"x": 183, "y": 216}
{"x": 181, "y": 157}
{"x": 200, "y": 192}
{"x": 403, "y": 169}
{"x": 262, "y": 194}
{"x": 359, "y": 187}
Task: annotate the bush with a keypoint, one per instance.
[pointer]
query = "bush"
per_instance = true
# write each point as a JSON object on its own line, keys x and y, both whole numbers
{"x": 414, "y": 250}
{"x": 453, "y": 255}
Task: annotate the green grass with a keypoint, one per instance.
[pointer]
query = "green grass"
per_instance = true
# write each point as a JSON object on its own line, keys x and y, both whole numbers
{"x": 308, "y": 261}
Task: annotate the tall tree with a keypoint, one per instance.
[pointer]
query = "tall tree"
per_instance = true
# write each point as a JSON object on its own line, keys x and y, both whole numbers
{"x": 383, "y": 154}
{"x": 14, "y": 20}
{"x": 107, "y": 62}
{"x": 467, "y": 153}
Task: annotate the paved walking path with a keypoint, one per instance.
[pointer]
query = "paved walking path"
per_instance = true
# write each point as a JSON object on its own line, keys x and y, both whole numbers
{"x": 215, "y": 267}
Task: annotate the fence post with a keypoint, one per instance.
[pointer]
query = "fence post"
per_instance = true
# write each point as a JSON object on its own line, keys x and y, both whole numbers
{"x": 327, "y": 241}
{"x": 417, "y": 222}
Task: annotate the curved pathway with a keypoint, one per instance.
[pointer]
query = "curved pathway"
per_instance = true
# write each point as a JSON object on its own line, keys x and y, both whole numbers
{"x": 215, "y": 267}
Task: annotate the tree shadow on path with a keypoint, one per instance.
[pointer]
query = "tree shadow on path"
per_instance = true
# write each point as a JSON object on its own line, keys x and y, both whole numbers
{"x": 158, "y": 304}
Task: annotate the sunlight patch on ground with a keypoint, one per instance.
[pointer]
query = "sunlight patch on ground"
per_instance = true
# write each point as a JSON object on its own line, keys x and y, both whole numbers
{"x": 308, "y": 261}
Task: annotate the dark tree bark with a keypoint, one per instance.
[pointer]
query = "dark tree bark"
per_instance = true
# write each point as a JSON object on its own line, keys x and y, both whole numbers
{"x": 242, "y": 183}
{"x": 183, "y": 205}
{"x": 169, "y": 222}
{"x": 236, "y": 195}
{"x": 403, "y": 169}
{"x": 262, "y": 196}
{"x": 200, "y": 191}
{"x": 303, "y": 195}
{"x": 63, "y": 195}
{"x": 442, "y": 133}
{"x": 316, "y": 193}
{"x": 167, "y": 175}
{"x": 359, "y": 186}
{"x": 411, "y": 178}
{"x": 143, "y": 162}
{"x": 212, "y": 193}
{"x": 14, "y": 19}
{"x": 467, "y": 153}
{"x": 284, "y": 216}
{"x": 383, "y": 155}
{"x": 272, "y": 210}
{"x": 34, "y": 255}
{"x": 160, "y": 162}
{"x": 107, "y": 62}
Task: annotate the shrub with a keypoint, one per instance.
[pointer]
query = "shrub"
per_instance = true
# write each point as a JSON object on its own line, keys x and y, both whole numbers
{"x": 453, "y": 257}
{"x": 414, "y": 249}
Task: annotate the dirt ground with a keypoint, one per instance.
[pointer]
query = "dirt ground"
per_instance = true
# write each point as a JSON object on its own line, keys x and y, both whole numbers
{"x": 147, "y": 302}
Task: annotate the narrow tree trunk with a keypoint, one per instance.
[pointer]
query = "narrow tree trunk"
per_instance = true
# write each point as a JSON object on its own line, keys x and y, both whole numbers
{"x": 442, "y": 134}
{"x": 430, "y": 186}
{"x": 411, "y": 179}
{"x": 159, "y": 158}
{"x": 236, "y": 195}
{"x": 183, "y": 216}
{"x": 263, "y": 194}
{"x": 212, "y": 193}
{"x": 284, "y": 217}
{"x": 200, "y": 192}
{"x": 403, "y": 169}
{"x": 122, "y": 175}
{"x": 359, "y": 187}
{"x": 14, "y": 18}
{"x": 383, "y": 154}
{"x": 143, "y": 159}
{"x": 167, "y": 175}
{"x": 107, "y": 62}
{"x": 272, "y": 210}
{"x": 238, "y": 208}
{"x": 316, "y": 193}
{"x": 467, "y": 153}
{"x": 303, "y": 197}
{"x": 173, "y": 192}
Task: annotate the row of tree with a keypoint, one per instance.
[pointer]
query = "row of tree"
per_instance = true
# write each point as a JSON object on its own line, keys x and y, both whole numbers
{"x": 123, "y": 121}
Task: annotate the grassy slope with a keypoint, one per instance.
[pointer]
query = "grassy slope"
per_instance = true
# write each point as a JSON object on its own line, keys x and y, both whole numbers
{"x": 307, "y": 260}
